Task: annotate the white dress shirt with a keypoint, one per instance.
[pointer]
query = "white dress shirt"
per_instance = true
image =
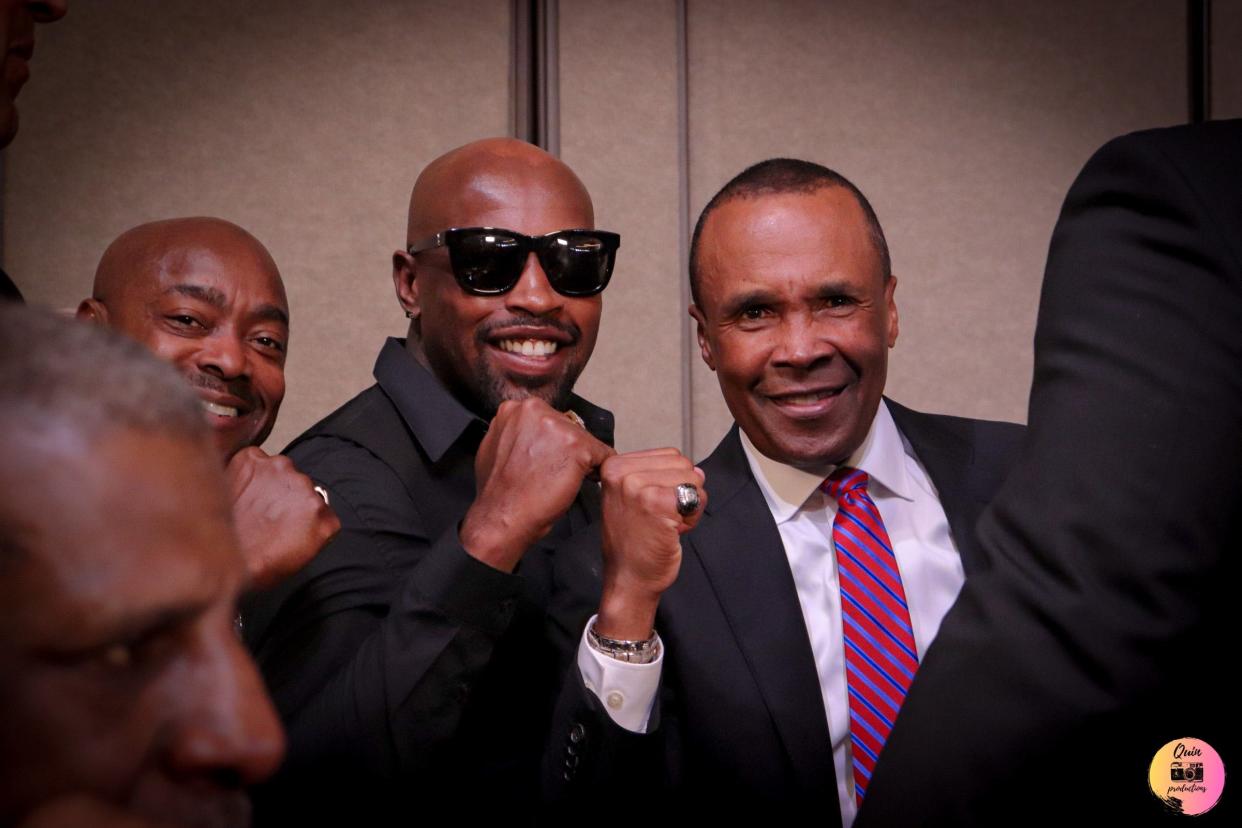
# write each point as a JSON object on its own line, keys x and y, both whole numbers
{"x": 931, "y": 572}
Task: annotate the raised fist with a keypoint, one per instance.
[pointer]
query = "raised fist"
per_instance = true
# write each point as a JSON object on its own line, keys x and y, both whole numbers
{"x": 528, "y": 471}
{"x": 642, "y": 531}
{"x": 281, "y": 520}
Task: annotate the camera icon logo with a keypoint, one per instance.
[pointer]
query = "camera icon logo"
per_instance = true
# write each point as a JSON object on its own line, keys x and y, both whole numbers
{"x": 1187, "y": 776}
{"x": 1186, "y": 772}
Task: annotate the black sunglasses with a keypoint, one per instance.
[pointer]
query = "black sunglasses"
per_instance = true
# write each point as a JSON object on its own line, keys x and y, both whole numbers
{"x": 488, "y": 261}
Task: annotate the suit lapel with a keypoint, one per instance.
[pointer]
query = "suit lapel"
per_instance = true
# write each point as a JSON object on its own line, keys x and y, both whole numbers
{"x": 742, "y": 554}
{"x": 948, "y": 457}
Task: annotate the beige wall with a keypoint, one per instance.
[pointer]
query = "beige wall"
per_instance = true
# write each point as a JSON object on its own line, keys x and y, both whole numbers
{"x": 963, "y": 122}
{"x": 302, "y": 120}
{"x": 618, "y": 103}
{"x": 306, "y": 121}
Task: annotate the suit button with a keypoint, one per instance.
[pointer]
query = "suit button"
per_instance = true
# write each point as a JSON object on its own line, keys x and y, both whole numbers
{"x": 461, "y": 692}
{"x": 571, "y": 762}
{"x": 577, "y": 733}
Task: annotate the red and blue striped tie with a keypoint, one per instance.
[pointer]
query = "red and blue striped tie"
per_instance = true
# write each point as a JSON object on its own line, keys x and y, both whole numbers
{"x": 880, "y": 655}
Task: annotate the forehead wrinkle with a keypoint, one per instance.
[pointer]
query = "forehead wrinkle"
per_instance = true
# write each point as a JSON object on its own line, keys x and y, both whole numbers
{"x": 82, "y": 558}
{"x": 762, "y": 233}
{"x": 170, "y": 249}
{"x": 210, "y": 295}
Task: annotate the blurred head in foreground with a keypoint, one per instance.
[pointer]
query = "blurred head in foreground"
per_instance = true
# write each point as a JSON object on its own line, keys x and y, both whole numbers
{"x": 119, "y": 574}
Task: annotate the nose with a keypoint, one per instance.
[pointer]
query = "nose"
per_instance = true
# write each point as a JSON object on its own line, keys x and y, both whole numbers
{"x": 228, "y": 732}
{"x": 801, "y": 343}
{"x": 533, "y": 293}
{"x": 48, "y": 11}
{"x": 224, "y": 354}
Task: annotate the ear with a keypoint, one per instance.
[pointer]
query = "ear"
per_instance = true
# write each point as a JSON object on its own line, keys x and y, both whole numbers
{"x": 891, "y": 308}
{"x": 92, "y": 310}
{"x": 405, "y": 283}
{"x": 705, "y": 348}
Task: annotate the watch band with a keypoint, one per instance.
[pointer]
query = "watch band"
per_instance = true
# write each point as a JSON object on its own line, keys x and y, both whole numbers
{"x": 632, "y": 652}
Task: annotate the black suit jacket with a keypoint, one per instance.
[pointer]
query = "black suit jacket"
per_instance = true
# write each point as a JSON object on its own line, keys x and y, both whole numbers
{"x": 408, "y": 674}
{"x": 741, "y": 728}
{"x": 1106, "y": 623}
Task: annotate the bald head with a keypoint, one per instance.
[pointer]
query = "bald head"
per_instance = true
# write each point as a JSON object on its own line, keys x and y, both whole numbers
{"x": 470, "y": 341}
{"x": 149, "y": 250}
{"x": 490, "y": 175}
{"x": 205, "y": 295}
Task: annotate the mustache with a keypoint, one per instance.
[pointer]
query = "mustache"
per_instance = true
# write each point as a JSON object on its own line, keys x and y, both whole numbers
{"x": 569, "y": 329}
{"x": 239, "y": 387}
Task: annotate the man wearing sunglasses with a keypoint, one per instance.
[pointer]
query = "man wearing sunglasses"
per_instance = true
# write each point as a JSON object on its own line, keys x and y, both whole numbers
{"x": 411, "y": 660}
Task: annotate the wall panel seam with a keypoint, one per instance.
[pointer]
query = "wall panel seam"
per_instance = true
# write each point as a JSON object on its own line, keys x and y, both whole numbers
{"x": 683, "y": 236}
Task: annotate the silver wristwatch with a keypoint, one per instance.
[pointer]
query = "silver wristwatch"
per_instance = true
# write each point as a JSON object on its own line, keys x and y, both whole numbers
{"x": 633, "y": 652}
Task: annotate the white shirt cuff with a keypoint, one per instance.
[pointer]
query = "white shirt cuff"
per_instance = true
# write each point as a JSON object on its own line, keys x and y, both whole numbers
{"x": 626, "y": 690}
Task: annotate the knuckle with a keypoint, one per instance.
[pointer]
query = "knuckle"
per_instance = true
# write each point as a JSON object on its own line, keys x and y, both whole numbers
{"x": 609, "y": 472}
{"x": 653, "y": 499}
{"x": 631, "y": 486}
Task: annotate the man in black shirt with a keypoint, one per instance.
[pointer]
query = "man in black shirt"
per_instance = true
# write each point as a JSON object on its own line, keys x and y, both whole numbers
{"x": 413, "y": 661}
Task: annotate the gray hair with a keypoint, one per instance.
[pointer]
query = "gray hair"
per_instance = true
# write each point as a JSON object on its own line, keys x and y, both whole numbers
{"x": 62, "y": 374}
{"x": 57, "y": 372}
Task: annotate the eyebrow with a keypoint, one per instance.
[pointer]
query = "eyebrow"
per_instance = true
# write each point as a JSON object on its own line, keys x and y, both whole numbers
{"x": 157, "y": 619}
{"x": 210, "y": 295}
{"x": 736, "y": 304}
{"x": 136, "y": 626}
{"x": 271, "y": 313}
{"x": 216, "y": 298}
{"x": 827, "y": 290}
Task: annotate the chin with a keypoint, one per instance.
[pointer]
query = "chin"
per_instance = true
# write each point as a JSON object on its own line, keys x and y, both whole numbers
{"x": 809, "y": 453}
{"x": 196, "y": 810}
{"x": 554, "y": 392}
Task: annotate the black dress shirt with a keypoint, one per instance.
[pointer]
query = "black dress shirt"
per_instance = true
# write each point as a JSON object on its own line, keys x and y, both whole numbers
{"x": 409, "y": 674}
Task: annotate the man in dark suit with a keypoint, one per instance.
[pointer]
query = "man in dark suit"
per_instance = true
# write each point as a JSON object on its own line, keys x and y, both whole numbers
{"x": 1105, "y": 625}
{"x": 409, "y": 660}
{"x": 771, "y": 629}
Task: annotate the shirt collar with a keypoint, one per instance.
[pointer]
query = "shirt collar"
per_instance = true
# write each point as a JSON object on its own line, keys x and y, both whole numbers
{"x": 787, "y": 488}
{"x": 435, "y": 417}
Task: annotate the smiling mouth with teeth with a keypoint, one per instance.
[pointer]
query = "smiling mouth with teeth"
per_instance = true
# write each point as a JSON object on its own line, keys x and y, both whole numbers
{"x": 219, "y": 410}
{"x": 809, "y": 398}
{"x": 528, "y": 347}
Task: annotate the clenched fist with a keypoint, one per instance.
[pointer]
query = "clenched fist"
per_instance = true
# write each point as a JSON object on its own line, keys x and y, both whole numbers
{"x": 642, "y": 531}
{"x": 528, "y": 471}
{"x": 282, "y": 522}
